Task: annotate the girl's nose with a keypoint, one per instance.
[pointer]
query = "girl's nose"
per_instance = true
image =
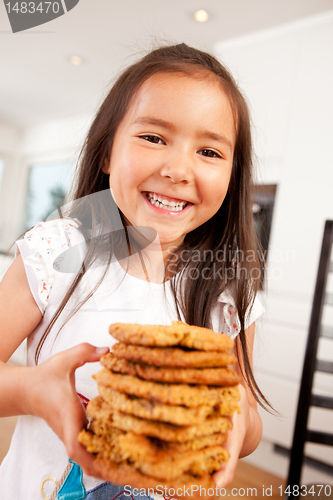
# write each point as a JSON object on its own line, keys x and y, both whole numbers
{"x": 178, "y": 169}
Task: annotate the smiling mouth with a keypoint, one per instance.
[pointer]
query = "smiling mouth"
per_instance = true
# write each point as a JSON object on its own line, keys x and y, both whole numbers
{"x": 167, "y": 204}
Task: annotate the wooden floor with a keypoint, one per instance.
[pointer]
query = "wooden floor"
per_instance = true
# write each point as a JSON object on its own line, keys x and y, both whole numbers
{"x": 263, "y": 484}
{"x": 249, "y": 480}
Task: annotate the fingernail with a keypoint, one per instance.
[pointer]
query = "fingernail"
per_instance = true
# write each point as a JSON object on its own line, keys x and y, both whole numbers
{"x": 102, "y": 350}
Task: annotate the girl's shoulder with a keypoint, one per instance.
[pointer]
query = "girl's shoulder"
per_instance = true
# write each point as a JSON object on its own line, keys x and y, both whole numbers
{"x": 230, "y": 313}
{"x": 43, "y": 249}
{"x": 53, "y": 234}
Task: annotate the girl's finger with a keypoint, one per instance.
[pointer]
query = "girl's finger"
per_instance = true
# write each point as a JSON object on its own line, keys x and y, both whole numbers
{"x": 85, "y": 460}
{"x": 234, "y": 445}
{"x": 73, "y": 358}
{"x": 74, "y": 449}
{"x": 225, "y": 475}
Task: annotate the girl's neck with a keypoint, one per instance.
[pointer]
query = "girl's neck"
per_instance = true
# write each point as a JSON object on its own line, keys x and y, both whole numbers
{"x": 149, "y": 264}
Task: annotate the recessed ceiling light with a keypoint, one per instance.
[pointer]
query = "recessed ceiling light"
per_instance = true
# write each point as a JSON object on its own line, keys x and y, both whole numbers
{"x": 76, "y": 60}
{"x": 201, "y": 16}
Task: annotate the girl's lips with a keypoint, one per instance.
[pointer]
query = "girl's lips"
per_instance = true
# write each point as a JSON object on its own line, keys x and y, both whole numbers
{"x": 164, "y": 197}
{"x": 163, "y": 210}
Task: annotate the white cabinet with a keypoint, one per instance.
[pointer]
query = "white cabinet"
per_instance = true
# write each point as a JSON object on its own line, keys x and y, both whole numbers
{"x": 287, "y": 75}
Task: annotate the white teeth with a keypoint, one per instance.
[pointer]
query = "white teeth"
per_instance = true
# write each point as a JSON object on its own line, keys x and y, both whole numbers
{"x": 165, "y": 204}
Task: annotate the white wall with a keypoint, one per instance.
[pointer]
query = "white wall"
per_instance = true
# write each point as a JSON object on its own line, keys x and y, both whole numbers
{"x": 56, "y": 138}
{"x": 287, "y": 74}
{"x": 10, "y": 138}
{"x": 48, "y": 142}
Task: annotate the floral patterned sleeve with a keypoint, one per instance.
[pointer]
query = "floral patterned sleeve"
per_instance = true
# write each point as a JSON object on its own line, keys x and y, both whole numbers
{"x": 231, "y": 322}
{"x": 40, "y": 247}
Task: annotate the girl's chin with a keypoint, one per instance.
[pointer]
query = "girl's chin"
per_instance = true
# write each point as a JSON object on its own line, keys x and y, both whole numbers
{"x": 170, "y": 242}
{"x": 164, "y": 239}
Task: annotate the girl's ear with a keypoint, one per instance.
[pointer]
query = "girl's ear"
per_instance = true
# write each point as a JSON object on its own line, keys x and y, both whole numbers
{"x": 106, "y": 165}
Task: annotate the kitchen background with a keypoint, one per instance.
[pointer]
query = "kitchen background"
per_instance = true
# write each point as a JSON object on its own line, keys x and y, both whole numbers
{"x": 54, "y": 76}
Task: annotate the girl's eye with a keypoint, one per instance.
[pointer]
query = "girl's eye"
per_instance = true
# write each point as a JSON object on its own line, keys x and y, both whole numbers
{"x": 210, "y": 153}
{"x": 152, "y": 138}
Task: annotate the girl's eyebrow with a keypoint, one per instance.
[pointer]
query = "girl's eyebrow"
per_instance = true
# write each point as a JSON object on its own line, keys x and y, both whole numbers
{"x": 204, "y": 134}
{"x": 207, "y": 134}
{"x": 150, "y": 120}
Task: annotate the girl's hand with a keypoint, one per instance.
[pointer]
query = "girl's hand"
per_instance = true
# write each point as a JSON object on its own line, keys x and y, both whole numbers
{"x": 235, "y": 441}
{"x": 52, "y": 396}
{"x": 247, "y": 427}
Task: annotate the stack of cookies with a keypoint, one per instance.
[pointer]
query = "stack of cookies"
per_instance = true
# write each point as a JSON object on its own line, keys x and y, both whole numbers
{"x": 163, "y": 413}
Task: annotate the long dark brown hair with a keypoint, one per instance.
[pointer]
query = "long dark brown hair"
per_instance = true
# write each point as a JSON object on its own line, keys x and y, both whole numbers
{"x": 230, "y": 232}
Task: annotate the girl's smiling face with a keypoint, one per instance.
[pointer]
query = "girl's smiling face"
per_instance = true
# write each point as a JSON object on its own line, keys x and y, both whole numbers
{"x": 172, "y": 155}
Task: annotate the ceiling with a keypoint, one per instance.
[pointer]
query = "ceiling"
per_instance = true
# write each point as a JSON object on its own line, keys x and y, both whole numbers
{"x": 38, "y": 83}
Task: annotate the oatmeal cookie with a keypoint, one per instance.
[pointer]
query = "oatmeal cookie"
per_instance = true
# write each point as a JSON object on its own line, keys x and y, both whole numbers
{"x": 178, "y": 415}
{"x": 173, "y": 356}
{"x": 154, "y": 462}
{"x": 100, "y": 410}
{"x": 174, "y": 394}
{"x": 210, "y": 376}
{"x": 160, "y": 430}
{"x": 143, "y": 408}
{"x": 178, "y": 333}
{"x": 185, "y": 486}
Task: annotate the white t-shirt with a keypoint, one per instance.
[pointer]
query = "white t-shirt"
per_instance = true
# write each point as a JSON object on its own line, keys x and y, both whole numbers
{"x": 37, "y": 458}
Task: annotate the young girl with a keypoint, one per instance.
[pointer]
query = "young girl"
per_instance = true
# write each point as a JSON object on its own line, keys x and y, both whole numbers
{"x": 164, "y": 183}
